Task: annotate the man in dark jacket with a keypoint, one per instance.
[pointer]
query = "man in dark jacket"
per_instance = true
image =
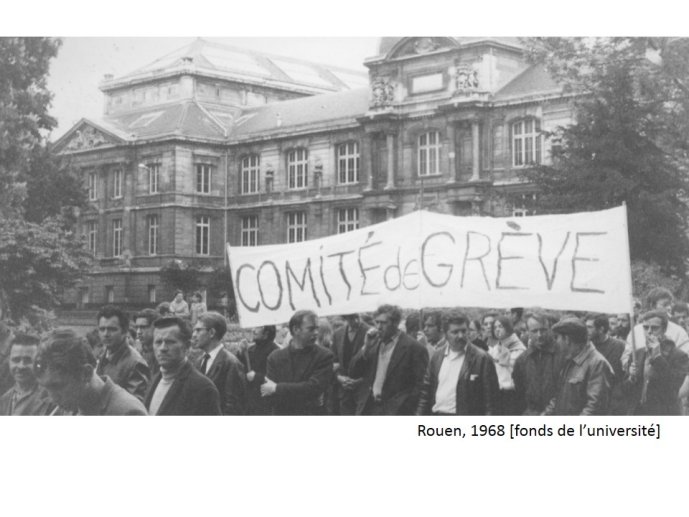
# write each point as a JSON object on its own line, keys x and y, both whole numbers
{"x": 537, "y": 370}
{"x": 218, "y": 364}
{"x": 392, "y": 365}
{"x": 256, "y": 362}
{"x": 120, "y": 361}
{"x": 347, "y": 341}
{"x": 298, "y": 374}
{"x": 598, "y": 327}
{"x": 461, "y": 378}
{"x": 656, "y": 371}
{"x": 65, "y": 367}
{"x": 178, "y": 389}
{"x": 586, "y": 379}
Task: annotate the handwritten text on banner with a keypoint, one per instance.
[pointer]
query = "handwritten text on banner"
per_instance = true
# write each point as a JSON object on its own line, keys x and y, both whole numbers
{"x": 574, "y": 261}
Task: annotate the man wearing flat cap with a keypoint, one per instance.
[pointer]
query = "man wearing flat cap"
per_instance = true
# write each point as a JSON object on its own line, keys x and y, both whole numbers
{"x": 586, "y": 379}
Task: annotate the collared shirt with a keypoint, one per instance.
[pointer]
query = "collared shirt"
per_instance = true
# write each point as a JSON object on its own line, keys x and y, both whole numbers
{"x": 34, "y": 402}
{"x": 384, "y": 354}
{"x": 211, "y": 357}
{"x": 448, "y": 376}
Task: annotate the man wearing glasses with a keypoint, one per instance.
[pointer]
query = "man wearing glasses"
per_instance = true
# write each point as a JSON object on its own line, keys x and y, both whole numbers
{"x": 219, "y": 365}
{"x": 657, "y": 369}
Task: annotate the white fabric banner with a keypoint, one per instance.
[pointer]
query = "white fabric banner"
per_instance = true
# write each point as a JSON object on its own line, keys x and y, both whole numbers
{"x": 568, "y": 262}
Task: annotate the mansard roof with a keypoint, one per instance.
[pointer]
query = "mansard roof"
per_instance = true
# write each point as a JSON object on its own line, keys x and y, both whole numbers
{"x": 286, "y": 117}
{"x": 208, "y": 58}
{"x": 535, "y": 81}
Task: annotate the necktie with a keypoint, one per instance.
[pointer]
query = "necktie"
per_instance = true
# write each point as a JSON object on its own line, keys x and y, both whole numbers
{"x": 204, "y": 363}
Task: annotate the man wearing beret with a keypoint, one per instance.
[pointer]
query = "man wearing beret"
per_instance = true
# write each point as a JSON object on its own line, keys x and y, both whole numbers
{"x": 586, "y": 379}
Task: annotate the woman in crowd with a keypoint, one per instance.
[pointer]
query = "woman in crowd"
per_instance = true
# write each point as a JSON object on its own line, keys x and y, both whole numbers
{"x": 197, "y": 307}
{"x": 505, "y": 352}
{"x": 178, "y": 307}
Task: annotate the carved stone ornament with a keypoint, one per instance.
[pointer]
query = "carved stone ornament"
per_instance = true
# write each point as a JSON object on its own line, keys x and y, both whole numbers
{"x": 382, "y": 92}
{"x": 425, "y": 45}
{"x": 466, "y": 79}
{"x": 86, "y": 138}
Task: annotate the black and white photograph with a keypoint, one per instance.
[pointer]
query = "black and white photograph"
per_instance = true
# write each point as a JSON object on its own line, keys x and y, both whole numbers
{"x": 301, "y": 236}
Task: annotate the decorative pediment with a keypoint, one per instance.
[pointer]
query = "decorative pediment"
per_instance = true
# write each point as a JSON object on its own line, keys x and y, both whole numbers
{"x": 418, "y": 46}
{"x": 85, "y": 136}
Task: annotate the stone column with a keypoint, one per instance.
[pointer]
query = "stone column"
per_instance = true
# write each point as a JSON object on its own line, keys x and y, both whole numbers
{"x": 475, "y": 151}
{"x": 390, "y": 142}
{"x": 452, "y": 154}
{"x": 367, "y": 160}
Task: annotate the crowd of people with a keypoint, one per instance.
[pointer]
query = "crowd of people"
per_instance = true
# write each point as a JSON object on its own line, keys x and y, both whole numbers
{"x": 177, "y": 360}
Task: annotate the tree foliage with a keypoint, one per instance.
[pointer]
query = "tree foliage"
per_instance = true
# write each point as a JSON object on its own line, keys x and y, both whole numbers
{"x": 180, "y": 275}
{"x": 629, "y": 141}
{"x": 220, "y": 285}
{"x": 40, "y": 254}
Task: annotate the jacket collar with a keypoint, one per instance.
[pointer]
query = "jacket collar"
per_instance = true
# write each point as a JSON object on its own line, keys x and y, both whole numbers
{"x": 585, "y": 353}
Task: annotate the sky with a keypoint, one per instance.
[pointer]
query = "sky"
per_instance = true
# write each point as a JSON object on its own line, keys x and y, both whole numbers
{"x": 82, "y": 63}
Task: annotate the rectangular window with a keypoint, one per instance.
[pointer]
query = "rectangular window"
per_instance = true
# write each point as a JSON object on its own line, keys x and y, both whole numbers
{"x": 91, "y": 235}
{"x": 429, "y": 153}
{"x": 93, "y": 186}
{"x": 249, "y": 174}
{"x": 110, "y": 293}
{"x": 117, "y": 237}
{"x": 152, "y": 234}
{"x": 203, "y": 230}
{"x": 250, "y": 230}
{"x": 526, "y": 143}
{"x": 153, "y": 177}
{"x": 347, "y": 219}
{"x": 524, "y": 205}
{"x": 296, "y": 226}
{"x": 117, "y": 184}
{"x": 348, "y": 163}
{"x": 297, "y": 168}
{"x": 203, "y": 178}
{"x": 152, "y": 294}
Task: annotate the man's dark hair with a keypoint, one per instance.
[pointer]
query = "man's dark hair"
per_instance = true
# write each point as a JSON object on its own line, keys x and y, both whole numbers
{"x": 655, "y": 294}
{"x": 454, "y": 318}
{"x": 150, "y": 315}
{"x": 393, "y": 311}
{"x": 215, "y": 321}
{"x": 23, "y": 339}
{"x": 491, "y": 314}
{"x": 680, "y": 307}
{"x": 298, "y": 318}
{"x": 110, "y": 311}
{"x": 412, "y": 323}
{"x": 656, "y": 314}
{"x": 172, "y": 321}
{"x": 517, "y": 311}
{"x": 600, "y": 321}
{"x": 540, "y": 316}
{"x": 269, "y": 331}
{"x": 163, "y": 308}
{"x": 65, "y": 352}
{"x": 436, "y": 318}
{"x": 506, "y": 323}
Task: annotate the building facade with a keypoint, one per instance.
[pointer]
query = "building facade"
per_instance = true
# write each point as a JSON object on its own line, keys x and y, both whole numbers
{"x": 214, "y": 145}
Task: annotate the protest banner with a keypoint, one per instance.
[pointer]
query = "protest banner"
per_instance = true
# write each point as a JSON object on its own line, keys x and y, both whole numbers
{"x": 568, "y": 262}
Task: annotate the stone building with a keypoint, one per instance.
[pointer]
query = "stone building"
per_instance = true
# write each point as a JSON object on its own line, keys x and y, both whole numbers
{"x": 214, "y": 144}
